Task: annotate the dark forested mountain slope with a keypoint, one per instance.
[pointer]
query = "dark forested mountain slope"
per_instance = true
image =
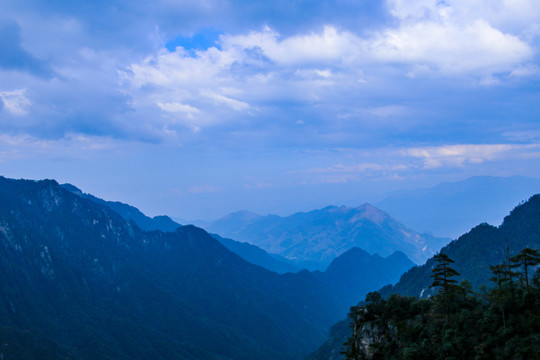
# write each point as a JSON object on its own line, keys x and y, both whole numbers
{"x": 353, "y": 274}
{"x": 128, "y": 212}
{"x": 473, "y": 253}
{"x": 83, "y": 281}
{"x": 318, "y": 236}
{"x": 476, "y": 250}
{"x": 248, "y": 252}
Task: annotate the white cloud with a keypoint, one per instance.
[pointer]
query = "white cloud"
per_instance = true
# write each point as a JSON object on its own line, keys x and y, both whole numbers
{"x": 516, "y": 16}
{"x": 406, "y": 163}
{"x": 317, "y": 72}
{"x": 475, "y": 48}
{"x": 73, "y": 146}
{"x": 328, "y": 46}
{"x": 224, "y": 100}
{"x": 175, "y": 107}
{"x": 525, "y": 71}
{"x": 475, "y": 37}
{"x": 265, "y": 68}
{"x": 16, "y": 102}
{"x": 343, "y": 173}
{"x": 519, "y": 135}
{"x": 463, "y": 154}
{"x": 476, "y": 33}
{"x": 246, "y": 72}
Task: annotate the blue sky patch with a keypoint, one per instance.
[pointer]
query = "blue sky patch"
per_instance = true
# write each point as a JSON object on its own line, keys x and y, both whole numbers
{"x": 202, "y": 40}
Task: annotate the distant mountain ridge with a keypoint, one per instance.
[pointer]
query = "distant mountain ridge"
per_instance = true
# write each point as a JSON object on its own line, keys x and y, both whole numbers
{"x": 257, "y": 256}
{"x": 248, "y": 252}
{"x": 79, "y": 281}
{"x": 318, "y": 236}
{"x": 452, "y": 208}
{"x": 346, "y": 274}
{"x": 128, "y": 212}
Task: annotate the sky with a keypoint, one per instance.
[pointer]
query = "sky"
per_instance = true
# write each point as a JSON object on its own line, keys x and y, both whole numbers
{"x": 195, "y": 109}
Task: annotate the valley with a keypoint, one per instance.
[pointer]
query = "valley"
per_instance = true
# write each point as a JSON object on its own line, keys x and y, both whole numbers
{"x": 105, "y": 280}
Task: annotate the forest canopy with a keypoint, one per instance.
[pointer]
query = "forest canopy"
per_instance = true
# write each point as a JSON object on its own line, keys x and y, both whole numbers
{"x": 456, "y": 323}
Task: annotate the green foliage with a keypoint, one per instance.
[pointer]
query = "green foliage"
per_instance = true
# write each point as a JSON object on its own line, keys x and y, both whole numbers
{"x": 500, "y": 324}
{"x": 442, "y": 276}
{"x": 525, "y": 259}
{"x": 442, "y": 273}
{"x": 476, "y": 250}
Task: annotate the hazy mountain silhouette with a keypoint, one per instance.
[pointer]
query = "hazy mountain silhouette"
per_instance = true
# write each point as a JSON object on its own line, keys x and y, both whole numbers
{"x": 354, "y": 273}
{"x": 258, "y": 256}
{"x": 251, "y": 253}
{"x": 79, "y": 281}
{"x": 315, "y": 238}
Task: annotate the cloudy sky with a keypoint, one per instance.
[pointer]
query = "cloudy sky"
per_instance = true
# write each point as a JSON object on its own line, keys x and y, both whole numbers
{"x": 199, "y": 108}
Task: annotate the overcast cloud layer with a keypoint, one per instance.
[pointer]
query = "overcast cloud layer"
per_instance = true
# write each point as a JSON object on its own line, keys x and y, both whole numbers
{"x": 197, "y": 108}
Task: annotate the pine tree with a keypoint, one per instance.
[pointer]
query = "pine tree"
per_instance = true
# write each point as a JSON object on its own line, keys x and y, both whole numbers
{"x": 509, "y": 275}
{"x": 442, "y": 275}
{"x": 526, "y": 258}
{"x": 503, "y": 274}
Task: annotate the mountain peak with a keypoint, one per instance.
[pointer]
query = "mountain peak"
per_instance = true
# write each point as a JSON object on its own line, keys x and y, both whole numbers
{"x": 398, "y": 255}
{"x": 329, "y": 208}
{"x": 72, "y": 188}
{"x": 318, "y": 236}
{"x": 371, "y": 213}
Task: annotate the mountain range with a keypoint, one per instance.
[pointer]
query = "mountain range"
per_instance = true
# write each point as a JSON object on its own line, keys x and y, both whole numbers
{"x": 313, "y": 239}
{"x": 472, "y": 253}
{"x": 251, "y": 253}
{"x": 128, "y": 212}
{"x": 98, "y": 286}
{"x": 85, "y": 278}
{"x": 258, "y": 256}
{"x": 247, "y": 251}
{"x": 79, "y": 281}
{"x": 349, "y": 276}
{"x": 475, "y": 251}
